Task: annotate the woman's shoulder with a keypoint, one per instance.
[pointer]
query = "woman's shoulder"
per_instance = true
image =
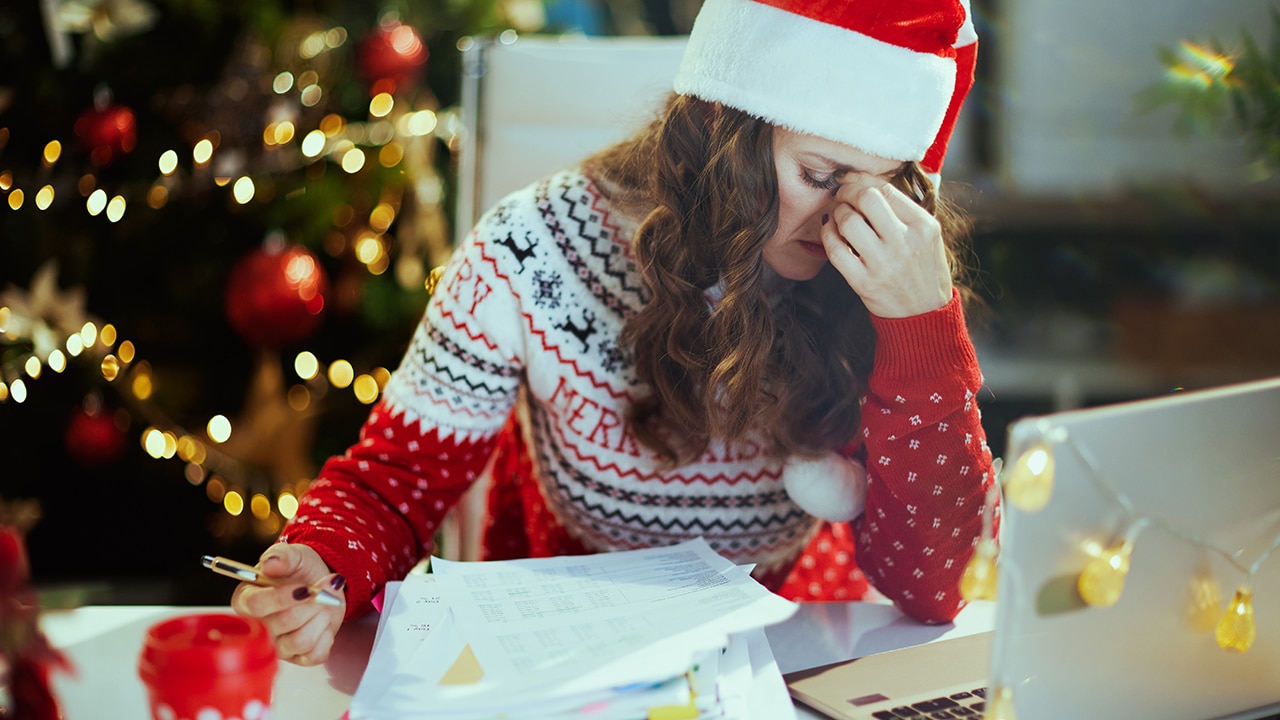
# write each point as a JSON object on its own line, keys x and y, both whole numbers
{"x": 562, "y": 214}
{"x": 559, "y": 241}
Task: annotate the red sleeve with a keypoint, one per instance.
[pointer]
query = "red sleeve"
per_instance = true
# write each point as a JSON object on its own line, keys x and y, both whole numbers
{"x": 928, "y": 462}
{"x": 372, "y": 513}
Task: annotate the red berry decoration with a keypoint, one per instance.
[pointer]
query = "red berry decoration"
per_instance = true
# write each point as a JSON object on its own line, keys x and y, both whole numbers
{"x": 93, "y": 438}
{"x": 107, "y": 132}
{"x": 276, "y": 296}
{"x": 393, "y": 53}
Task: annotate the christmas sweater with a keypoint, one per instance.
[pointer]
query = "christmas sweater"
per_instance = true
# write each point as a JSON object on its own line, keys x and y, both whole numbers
{"x": 527, "y": 315}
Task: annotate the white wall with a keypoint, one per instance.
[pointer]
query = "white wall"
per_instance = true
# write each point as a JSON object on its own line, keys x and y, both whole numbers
{"x": 1067, "y": 75}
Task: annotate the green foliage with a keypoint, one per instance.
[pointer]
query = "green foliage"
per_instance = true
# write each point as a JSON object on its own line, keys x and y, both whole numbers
{"x": 1215, "y": 90}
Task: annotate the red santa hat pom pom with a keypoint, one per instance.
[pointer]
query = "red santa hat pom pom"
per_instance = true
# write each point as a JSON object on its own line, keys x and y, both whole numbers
{"x": 832, "y": 487}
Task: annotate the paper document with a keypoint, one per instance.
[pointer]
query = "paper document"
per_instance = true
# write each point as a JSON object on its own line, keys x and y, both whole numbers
{"x": 664, "y": 632}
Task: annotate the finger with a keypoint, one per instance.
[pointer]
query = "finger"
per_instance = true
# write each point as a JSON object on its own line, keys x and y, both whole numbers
{"x": 852, "y": 229}
{"x": 843, "y": 257}
{"x": 305, "y": 640}
{"x": 268, "y": 602}
{"x": 281, "y": 560}
{"x": 288, "y": 620}
{"x": 904, "y": 207}
{"x": 873, "y": 204}
{"x": 334, "y": 584}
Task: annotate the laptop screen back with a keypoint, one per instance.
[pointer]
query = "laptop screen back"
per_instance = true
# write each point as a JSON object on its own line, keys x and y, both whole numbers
{"x": 1193, "y": 481}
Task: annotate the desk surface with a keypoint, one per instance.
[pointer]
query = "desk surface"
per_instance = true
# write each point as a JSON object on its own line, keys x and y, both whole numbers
{"x": 103, "y": 642}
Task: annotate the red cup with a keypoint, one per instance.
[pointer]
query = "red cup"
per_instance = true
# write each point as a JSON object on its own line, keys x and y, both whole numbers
{"x": 215, "y": 666}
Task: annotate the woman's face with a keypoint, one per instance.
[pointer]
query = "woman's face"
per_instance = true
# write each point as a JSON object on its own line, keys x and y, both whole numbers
{"x": 809, "y": 171}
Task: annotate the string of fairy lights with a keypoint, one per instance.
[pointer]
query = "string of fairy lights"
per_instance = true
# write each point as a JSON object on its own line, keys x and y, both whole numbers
{"x": 396, "y": 133}
{"x": 226, "y": 480}
{"x": 1029, "y": 483}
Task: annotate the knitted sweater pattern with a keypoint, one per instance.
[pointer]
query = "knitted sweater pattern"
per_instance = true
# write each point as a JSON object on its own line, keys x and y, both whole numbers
{"x": 541, "y": 294}
{"x": 536, "y": 297}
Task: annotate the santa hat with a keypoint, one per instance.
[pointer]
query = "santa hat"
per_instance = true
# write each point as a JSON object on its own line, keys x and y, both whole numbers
{"x": 885, "y": 76}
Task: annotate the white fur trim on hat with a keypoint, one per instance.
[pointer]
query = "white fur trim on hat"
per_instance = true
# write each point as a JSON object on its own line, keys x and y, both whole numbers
{"x": 832, "y": 487}
{"x": 817, "y": 78}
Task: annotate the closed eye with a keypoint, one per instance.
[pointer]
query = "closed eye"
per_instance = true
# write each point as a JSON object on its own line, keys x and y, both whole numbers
{"x": 829, "y": 181}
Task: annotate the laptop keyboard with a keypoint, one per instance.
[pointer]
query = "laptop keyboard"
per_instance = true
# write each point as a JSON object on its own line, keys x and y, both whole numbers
{"x": 968, "y": 705}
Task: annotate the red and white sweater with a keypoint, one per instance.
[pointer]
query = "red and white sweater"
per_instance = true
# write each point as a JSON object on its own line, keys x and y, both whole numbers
{"x": 537, "y": 297}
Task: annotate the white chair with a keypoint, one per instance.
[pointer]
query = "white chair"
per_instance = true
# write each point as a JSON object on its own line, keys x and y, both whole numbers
{"x": 532, "y": 105}
{"x": 535, "y": 104}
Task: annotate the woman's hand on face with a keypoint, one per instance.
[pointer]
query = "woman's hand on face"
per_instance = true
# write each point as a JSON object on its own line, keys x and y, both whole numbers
{"x": 889, "y": 250}
{"x": 303, "y": 630}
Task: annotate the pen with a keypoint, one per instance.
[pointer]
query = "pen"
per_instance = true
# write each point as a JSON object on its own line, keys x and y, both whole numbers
{"x": 250, "y": 574}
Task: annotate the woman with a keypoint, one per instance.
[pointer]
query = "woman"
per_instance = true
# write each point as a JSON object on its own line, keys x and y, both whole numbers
{"x": 740, "y": 324}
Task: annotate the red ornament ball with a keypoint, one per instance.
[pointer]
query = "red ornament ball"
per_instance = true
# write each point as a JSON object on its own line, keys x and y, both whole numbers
{"x": 276, "y": 296}
{"x": 107, "y": 133}
{"x": 13, "y": 561}
{"x": 395, "y": 53}
{"x": 94, "y": 439}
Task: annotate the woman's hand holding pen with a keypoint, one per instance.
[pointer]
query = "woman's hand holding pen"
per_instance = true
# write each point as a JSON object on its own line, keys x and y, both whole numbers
{"x": 303, "y": 630}
{"x": 888, "y": 248}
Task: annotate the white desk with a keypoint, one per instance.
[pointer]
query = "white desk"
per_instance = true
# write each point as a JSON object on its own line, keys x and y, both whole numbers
{"x": 103, "y": 642}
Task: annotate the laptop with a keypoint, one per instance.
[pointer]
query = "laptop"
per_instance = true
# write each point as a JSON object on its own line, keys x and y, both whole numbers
{"x": 1193, "y": 480}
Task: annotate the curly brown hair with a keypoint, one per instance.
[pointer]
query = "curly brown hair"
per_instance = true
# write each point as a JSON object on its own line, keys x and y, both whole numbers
{"x": 785, "y": 369}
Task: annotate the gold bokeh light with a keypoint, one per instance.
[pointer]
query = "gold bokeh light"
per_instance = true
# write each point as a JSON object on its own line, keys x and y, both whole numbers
{"x": 306, "y": 365}
{"x": 97, "y": 202}
{"x": 353, "y": 160}
{"x": 381, "y": 105}
{"x": 340, "y": 374}
{"x": 115, "y": 208}
{"x": 365, "y": 389}
{"x": 44, "y": 197}
{"x": 288, "y": 505}
{"x": 203, "y": 151}
{"x": 219, "y": 428}
{"x": 168, "y": 162}
{"x": 243, "y": 190}
{"x": 110, "y": 367}
{"x": 260, "y": 506}
{"x": 282, "y": 83}
{"x": 314, "y": 142}
{"x": 391, "y": 154}
{"x": 233, "y": 503}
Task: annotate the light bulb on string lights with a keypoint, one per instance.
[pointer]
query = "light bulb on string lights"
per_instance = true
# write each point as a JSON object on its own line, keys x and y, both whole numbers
{"x": 1030, "y": 482}
{"x": 979, "y": 580}
{"x": 25, "y": 319}
{"x": 1101, "y": 582}
{"x": 1237, "y": 629}
{"x": 1204, "y": 604}
{"x": 1000, "y": 704}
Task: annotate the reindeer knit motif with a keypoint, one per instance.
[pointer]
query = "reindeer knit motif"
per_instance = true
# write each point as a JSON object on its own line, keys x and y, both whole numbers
{"x": 533, "y": 303}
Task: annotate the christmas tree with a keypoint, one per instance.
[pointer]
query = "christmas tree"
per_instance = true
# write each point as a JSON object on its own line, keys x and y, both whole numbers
{"x": 218, "y": 224}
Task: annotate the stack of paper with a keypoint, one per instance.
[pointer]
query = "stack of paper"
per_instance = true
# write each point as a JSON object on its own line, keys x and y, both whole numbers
{"x": 669, "y": 633}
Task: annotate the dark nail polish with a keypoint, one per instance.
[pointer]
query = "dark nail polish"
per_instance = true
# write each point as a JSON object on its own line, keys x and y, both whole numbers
{"x": 302, "y": 593}
{"x": 338, "y": 582}
{"x": 825, "y": 218}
